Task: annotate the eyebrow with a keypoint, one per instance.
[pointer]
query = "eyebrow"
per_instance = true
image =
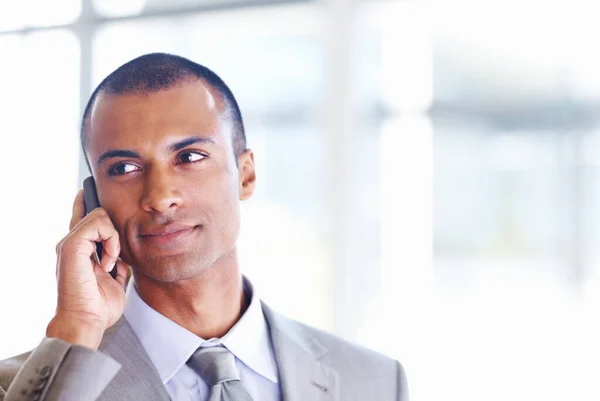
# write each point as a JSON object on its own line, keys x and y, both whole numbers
{"x": 190, "y": 141}
{"x": 173, "y": 148}
{"x": 117, "y": 153}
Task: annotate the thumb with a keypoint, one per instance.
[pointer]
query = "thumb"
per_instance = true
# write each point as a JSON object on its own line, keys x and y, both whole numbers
{"x": 123, "y": 273}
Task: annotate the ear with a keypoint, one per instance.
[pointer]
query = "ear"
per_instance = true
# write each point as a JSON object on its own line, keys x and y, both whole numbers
{"x": 247, "y": 174}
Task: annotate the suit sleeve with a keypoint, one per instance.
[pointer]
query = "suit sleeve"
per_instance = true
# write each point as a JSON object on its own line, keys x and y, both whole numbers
{"x": 402, "y": 383}
{"x": 59, "y": 371}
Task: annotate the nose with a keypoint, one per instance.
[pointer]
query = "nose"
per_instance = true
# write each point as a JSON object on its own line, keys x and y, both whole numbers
{"x": 160, "y": 192}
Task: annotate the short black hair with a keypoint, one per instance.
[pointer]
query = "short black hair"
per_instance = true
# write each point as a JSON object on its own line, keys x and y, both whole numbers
{"x": 154, "y": 72}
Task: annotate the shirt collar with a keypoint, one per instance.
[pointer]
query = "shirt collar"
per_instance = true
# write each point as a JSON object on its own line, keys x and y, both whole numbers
{"x": 248, "y": 339}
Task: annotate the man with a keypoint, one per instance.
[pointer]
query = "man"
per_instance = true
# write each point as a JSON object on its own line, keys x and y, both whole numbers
{"x": 165, "y": 142}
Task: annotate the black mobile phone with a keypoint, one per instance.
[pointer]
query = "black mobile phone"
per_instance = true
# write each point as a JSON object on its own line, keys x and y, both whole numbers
{"x": 90, "y": 197}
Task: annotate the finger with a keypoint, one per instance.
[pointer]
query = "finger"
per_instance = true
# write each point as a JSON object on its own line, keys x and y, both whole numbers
{"x": 123, "y": 273}
{"x": 110, "y": 254}
{"x": 94, "y": 214}
{"x": 78, "y": 212}
{"x": 111, "y": 248}
{"x": 99, "y": 228}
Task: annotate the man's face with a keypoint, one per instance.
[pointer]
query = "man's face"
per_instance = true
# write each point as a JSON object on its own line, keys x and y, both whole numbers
{"x": 167, "y": 176}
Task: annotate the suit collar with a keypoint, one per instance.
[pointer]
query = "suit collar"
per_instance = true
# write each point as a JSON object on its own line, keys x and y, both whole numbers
{"x": 248, "y": 339}
{"x": 297, "y": 352}
{"x": 137, "y": 379}
{"x": 302, "y": 374}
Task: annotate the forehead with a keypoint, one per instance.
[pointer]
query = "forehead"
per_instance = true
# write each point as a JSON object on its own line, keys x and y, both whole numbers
{"x": 133, "y": 119}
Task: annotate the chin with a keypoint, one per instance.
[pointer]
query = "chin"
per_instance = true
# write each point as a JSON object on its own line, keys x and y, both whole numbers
{"x": 171, "y": 269}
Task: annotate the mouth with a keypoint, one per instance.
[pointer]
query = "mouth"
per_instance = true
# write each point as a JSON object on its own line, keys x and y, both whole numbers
{"x": 166, "y": 229}
{"x": 169, "y": 236}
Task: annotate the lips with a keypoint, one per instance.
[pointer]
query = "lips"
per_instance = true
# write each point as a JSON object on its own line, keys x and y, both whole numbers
{"x": 165, "y": 229}
{"x": 171, "y": 237}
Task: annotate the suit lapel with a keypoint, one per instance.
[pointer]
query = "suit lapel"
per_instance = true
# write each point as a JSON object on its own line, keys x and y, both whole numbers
{"x": 302, "y": 376}
{"x": 137, "y": 379}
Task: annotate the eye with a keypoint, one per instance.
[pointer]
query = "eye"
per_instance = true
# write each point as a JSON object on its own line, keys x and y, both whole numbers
{"x": 190, "y": 157}
{"x": 122, "y": 168}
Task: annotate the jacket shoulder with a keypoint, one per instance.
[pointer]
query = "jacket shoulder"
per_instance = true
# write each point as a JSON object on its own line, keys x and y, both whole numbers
{"x": 359, "y": 369}
{"x": 340, "y": 352}
{"x": 10, "y": 367}
{"x": 351, "y": 355}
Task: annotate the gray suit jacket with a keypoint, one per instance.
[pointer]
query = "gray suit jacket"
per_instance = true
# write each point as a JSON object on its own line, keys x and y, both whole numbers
{"x": 313, "y": 365}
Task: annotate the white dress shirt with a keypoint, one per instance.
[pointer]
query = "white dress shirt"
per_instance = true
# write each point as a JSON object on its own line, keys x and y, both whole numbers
{"x": 170, "y": 346}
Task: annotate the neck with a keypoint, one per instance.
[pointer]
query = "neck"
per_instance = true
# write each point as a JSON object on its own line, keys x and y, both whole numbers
{"x": 208, "y": 305}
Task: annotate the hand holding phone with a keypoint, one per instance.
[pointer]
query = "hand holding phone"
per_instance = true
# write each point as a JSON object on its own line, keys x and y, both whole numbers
{"x": 89, "y": 300}
{"x": 90, "y": 197}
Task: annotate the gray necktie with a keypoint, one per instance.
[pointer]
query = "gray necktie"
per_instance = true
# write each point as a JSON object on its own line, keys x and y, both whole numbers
{"x": 216, "y": 366}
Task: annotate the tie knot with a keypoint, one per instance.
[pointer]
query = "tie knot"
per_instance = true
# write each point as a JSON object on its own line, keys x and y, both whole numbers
{"x": 214, "y": 365}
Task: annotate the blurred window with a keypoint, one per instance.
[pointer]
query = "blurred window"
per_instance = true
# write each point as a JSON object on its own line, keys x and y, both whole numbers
{"x": 39, "y": 100}
{"x": 37, "y": 13}
{"x": 122, "y": 8}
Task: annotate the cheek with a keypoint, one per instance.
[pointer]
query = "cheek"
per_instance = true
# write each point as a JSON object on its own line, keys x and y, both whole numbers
{"x": 229, "y": 192}
{"x": 118, "y": 219}
{"x": 122, "y": 214}
{"x": 222, "y": 198}
{"x": 218, "y": 187}
{"x": 230, "y": 210}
